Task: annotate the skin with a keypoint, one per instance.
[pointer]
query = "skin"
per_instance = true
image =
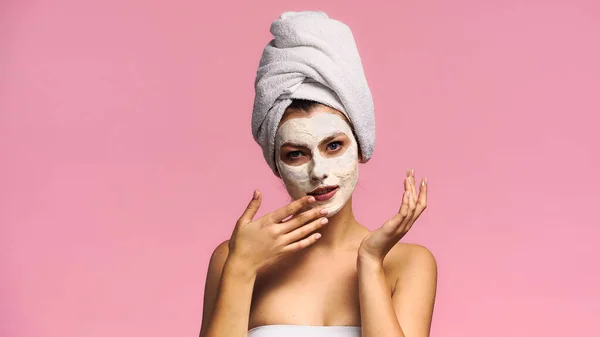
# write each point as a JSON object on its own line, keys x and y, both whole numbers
{"x": 303, "y": 272}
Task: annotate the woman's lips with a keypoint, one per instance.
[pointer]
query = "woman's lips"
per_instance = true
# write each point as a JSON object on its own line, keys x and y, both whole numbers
{"x": 324, "y": 196}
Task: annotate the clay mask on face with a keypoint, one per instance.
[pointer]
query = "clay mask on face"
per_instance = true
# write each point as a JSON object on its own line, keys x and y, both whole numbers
{"x": 322, "y": 169}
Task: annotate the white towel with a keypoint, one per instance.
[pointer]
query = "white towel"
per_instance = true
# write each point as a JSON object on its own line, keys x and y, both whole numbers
{"x": 311, "y": 57}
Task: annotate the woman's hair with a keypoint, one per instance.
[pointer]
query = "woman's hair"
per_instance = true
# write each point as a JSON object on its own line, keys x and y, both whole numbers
{"x": 303, "y": 104}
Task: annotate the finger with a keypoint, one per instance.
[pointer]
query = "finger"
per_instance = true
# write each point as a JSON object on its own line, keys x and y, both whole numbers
{"x": 420, "y": 205}
{"x": 413, "y": 188}
{"x": 422, "y": 200}
{"x": 303, "y": 231}
{"x": 302, "y": 218}
{"x": 405, "y": 195}
{"x": 412, "y": 205}
{"x": 401, "y": 222}
{"x": 398, "y": 219}
{"x": 408, "y": 205}
{"x": 299, "y": 245}
{"x": 407, "y": 181}
{"x": 395, "y": 224}
{"x": 413, "y": 193}
{"x": 290, "y": 217}
{"x": 291, "y": 208}
{"x": 252, "y": 208}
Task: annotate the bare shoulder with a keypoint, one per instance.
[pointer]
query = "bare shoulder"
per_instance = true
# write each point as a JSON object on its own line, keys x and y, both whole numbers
{"x": 220, "y": 253}
{"x": 213, "y": 277}
{"x": 407, "y": 259}
{"x": 414, "y": 288}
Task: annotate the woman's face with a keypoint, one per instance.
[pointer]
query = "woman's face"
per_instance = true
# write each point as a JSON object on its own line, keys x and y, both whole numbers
{"x": 317, "y": 154}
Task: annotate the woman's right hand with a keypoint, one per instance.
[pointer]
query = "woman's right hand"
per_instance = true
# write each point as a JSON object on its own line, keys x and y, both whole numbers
{"x": 256, "y": 244}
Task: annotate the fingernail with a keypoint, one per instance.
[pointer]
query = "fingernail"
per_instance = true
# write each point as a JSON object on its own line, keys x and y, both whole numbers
{"x": 255, "y": 195}
{"x": 318, "y": 236}
{"x": 324, "y": 211}
{"x": 311, "y": 200}
{"x": 324, "y": 221}
{"x": 425, "y": 182}
{"x": 408, "y": 172}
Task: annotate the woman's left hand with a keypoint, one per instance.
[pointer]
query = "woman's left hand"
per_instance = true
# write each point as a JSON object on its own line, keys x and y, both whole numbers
{"x": 376, "y": 245}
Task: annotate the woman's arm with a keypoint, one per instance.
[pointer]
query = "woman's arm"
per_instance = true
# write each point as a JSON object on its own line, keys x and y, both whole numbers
{"x": 254, "y": 245}
{"x": 227, "y": 296}
{"x": 408, "y": 311}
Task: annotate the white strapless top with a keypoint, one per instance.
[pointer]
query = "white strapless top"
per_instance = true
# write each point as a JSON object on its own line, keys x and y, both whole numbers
{"x": 304, "y": 331}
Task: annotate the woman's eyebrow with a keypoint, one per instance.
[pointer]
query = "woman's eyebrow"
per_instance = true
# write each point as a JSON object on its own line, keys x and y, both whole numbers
{"x": 294, "y": 144}
{"x": 332, "y": 137}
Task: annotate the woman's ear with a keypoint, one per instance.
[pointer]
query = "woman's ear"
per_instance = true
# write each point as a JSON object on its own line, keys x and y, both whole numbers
{"x": 360, "y": 156}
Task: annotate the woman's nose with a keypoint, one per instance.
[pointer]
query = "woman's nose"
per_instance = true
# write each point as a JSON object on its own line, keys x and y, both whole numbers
{"x": 319, "y": 171}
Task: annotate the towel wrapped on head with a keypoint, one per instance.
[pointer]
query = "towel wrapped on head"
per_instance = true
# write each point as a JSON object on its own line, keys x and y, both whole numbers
{"x": 311, "y": 57}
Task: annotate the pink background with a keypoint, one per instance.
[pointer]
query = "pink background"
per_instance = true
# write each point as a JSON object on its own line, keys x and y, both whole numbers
{"x": 127, "y": 156}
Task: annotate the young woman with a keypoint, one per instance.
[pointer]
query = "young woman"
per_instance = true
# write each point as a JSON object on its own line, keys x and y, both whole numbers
{"x": 309, "y": 268}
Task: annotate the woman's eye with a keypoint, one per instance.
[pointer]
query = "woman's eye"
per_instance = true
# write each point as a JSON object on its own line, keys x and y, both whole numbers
{"x": 294, "y": 154}
{"x": 334, "y": 146}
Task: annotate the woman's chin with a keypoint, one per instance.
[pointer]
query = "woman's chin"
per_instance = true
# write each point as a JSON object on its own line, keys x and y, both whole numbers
{"x": 333, "y": 208}
{"x": 333, "y": 211}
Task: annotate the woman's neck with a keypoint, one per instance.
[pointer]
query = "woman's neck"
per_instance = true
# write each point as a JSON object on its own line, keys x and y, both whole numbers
{"x": 342, "y": 230}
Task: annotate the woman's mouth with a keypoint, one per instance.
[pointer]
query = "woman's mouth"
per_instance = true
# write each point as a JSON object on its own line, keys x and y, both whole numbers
{"x": 324, "y": 193}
